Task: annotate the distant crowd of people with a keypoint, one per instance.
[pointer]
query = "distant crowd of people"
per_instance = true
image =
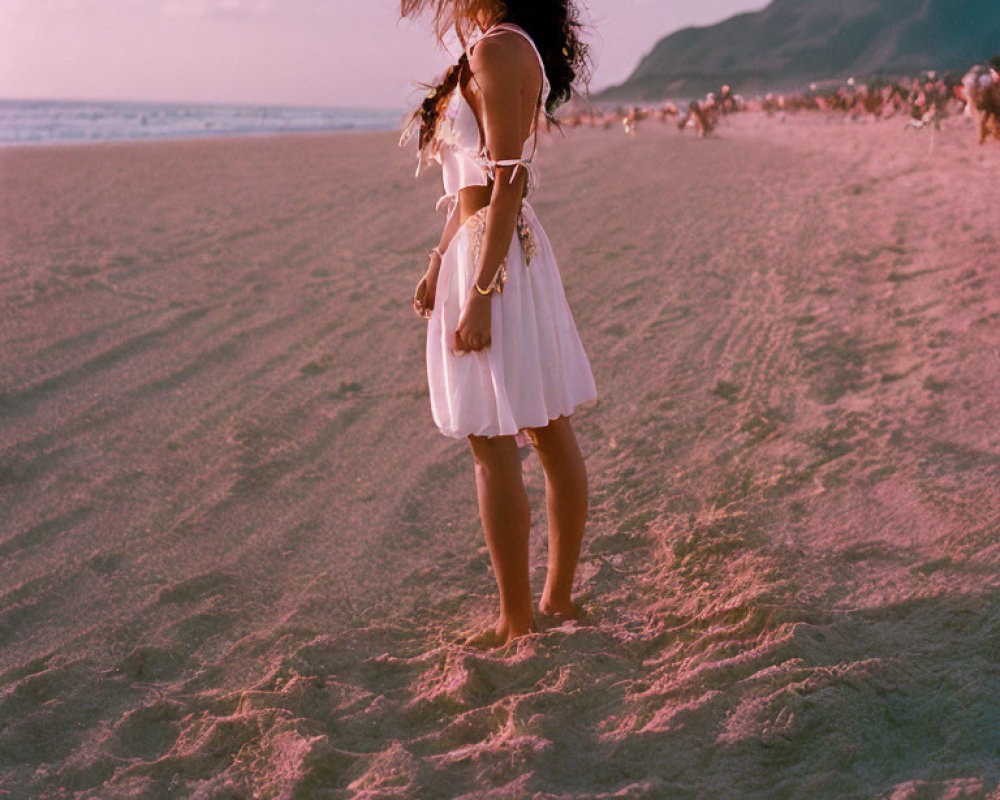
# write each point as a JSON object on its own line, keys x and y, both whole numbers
{"x": 923, "y": 101}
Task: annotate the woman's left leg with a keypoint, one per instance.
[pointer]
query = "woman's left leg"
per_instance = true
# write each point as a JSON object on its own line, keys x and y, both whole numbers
{"x": 566, "y": 500}
{"x": 506, "y": 518}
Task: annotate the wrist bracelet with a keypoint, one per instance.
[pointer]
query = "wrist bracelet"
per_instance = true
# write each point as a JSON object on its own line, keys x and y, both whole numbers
{"x": 496, "y": 285}
{"x": 436, "y": 251}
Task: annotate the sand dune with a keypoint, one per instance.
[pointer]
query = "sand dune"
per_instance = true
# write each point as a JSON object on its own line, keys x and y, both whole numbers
{"x": 235, "y": 555}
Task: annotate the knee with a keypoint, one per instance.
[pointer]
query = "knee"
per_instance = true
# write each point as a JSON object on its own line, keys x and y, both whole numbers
{"x": 560, "y": 454}
{"x": 493, "y": 454}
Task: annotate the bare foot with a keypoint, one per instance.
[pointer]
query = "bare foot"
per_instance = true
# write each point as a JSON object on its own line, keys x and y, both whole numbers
{"x": 497, "y": 636}
{"x": 486, "y": 639}
{"x": 563, "y": 611}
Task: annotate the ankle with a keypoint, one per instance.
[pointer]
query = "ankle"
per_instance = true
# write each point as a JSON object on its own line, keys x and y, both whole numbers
{"x": 553, "y": 592}
{"x": 517, "y": 624}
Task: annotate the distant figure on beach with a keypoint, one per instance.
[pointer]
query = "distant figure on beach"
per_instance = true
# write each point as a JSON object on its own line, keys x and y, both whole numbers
{"x": 727, "y": 103}
{"x": 987, "y": 101}
{"x": 981, "y": 93}
{"x": 697, "y": 118}
{"x": 970, "y": 91}
{"x": 503, "y": 354}
{"x": 628, "y": 122}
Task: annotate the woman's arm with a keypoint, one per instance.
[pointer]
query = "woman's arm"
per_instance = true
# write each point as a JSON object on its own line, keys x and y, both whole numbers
{"x": 450, "y": 228}
{"x": 426, "y": 292}
{"x": 498, "y": 65}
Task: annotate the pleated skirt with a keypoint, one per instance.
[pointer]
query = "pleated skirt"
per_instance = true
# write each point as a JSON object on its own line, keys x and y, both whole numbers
{"x": 535, "y": 369}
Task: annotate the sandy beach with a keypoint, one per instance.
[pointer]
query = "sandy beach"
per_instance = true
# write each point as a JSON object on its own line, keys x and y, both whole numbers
{"x": 236, "y": 555}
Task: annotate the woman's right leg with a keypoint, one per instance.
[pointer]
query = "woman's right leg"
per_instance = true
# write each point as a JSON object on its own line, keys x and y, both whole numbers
{"x": 506, "y": 518}
{"x": 566, "y": 502}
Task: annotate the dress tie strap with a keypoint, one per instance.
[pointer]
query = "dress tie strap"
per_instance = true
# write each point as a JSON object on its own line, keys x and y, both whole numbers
{"x": 510, "y": 162}
{"x": 491, "y": 165}
{"x": 450, "y": 199}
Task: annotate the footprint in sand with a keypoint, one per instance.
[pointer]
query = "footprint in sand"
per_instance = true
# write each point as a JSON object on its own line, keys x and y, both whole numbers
{"x": 155, "y": 663}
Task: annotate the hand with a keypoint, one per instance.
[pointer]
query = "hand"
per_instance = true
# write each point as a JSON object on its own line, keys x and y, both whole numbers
{"x": 475, "y": 325}
{"x": 423, "y": 297}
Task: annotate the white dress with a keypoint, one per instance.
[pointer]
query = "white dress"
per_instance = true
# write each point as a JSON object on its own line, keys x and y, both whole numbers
{"x": 535, "y": 369}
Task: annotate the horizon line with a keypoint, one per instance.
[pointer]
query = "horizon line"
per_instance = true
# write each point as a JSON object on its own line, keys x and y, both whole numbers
{"x": 233, "y": 103}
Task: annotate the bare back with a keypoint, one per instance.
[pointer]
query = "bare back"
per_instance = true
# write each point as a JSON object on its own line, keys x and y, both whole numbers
{"x": 503, "y": 85}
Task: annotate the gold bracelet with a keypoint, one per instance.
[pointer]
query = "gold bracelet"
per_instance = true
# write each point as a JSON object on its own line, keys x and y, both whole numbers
{"x": 496, "y": 285}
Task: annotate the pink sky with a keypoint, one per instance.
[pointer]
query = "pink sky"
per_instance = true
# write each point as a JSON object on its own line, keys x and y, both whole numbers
{"x": 309, "y": 52}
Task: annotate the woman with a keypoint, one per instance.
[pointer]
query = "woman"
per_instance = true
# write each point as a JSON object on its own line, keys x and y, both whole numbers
{"x": 503, "y": 353}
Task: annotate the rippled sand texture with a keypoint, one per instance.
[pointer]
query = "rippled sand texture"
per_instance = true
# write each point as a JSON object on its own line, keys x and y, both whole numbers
{"x": 236, "y": 555}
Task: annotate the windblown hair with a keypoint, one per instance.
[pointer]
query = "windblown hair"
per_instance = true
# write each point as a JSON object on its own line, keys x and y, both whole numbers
{"x": 553, "y": 25}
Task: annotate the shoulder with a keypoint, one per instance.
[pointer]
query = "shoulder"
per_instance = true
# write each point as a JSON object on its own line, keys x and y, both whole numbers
{"x": 500, "y": 53}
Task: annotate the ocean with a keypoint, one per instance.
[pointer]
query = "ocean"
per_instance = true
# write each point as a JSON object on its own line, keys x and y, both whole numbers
{"x": 48, "y": 121}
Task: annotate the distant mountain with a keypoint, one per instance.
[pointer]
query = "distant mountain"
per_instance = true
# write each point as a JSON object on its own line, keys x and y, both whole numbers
{"x": 793, "y": 42}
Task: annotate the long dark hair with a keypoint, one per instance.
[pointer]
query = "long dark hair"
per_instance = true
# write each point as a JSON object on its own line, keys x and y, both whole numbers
{"x": 553, "y": 25}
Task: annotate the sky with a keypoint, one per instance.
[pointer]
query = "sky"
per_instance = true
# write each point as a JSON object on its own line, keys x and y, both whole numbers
{"x": 347, "y": 53}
